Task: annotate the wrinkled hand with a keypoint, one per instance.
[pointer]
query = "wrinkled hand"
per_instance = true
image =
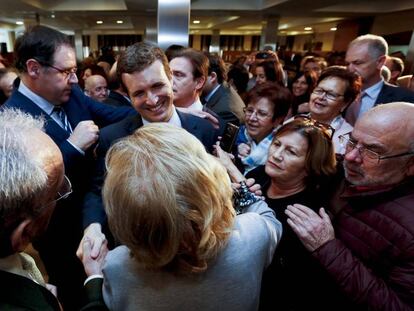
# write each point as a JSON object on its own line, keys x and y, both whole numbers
{"x": 84, "y": 135}
{"x": 225, "y": 158}
{"x": 243, "y": 150}
{"x": 96, "y": 238}
{"x": 312, "y": 229}
{"x": 92, "y": 265}
{"x": 253, "y": 187}
{"x": 202, "y": 114}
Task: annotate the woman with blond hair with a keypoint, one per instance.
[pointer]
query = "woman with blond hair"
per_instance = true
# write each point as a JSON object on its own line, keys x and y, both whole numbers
{"x": 170, "y": 204}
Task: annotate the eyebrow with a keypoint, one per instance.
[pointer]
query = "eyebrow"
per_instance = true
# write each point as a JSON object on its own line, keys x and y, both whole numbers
{"x": 374, "y": 147}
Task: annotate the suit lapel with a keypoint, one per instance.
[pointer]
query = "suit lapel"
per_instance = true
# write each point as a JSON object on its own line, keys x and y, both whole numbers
{"x": 134, "y": 124}
{"x": 52, "y": 128}
{"x": 384, "y": 94}
{"x": 215, "y": 98}
{"x": 187, "y": 123}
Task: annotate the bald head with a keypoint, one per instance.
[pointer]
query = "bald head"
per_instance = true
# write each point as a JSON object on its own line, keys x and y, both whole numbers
{"x": 382, "y": 149}
{"x": 395, "y": 118}
{"x": 96, "y": 87}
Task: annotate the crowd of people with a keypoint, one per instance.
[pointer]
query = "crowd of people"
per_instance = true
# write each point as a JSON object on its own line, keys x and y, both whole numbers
{"x": 115, "y": 171}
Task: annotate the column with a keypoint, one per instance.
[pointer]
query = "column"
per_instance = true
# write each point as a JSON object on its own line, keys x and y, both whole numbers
{"x": 173, "y": 19}
{"x": 215, "y": 41}
{"x": 78, "y": 45}
{"x": 269, "y": 32}
{"x": 150, "y": 34}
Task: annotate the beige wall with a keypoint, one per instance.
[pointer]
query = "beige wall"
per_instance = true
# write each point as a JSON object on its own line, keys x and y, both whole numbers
{"x": 196, "y": 42}
{"x": 393, "y": 23}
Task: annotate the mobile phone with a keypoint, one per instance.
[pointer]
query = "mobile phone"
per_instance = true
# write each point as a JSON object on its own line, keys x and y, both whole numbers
{"x": 229, "y": 137}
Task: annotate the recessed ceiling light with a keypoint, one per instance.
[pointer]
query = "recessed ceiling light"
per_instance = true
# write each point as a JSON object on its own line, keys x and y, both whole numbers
{"x": 19, "y": 23}
{"x": 119, "y": 22}
{"x": 99, "y": 22}
{"x": 196, "y": 22}
{"x": 52, "y": 15}
{"x": 307, "y": 28}
{"x": 334, "y": 29}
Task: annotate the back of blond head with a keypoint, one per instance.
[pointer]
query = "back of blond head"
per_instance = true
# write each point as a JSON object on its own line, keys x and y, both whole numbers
{"x": 167, "y": 199}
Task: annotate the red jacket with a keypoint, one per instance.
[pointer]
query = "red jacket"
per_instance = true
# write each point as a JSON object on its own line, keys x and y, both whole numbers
{"x": 372, "y": 257}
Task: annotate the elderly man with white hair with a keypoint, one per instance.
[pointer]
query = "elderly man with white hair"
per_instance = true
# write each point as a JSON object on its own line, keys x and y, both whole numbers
{"x": 32, "y": 180}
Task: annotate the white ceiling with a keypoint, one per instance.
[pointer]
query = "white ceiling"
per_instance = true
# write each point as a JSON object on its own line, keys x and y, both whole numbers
{"x": 230, "y": 16}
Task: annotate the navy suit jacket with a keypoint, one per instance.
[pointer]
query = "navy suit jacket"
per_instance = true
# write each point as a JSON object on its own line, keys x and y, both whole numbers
{"x": 79, "y": 108}
{"x": 391, "y": 93}
{"x": 93, "y": 210}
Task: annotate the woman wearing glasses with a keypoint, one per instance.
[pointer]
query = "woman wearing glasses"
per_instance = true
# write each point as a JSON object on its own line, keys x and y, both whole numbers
{"x": 267, "y": 107}
{"x": 300, "y": 162}
{"x": 337, "y": 88}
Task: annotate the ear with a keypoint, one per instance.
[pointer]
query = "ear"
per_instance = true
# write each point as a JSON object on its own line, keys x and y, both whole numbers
{"x": 381, "y": 61}
{"x": 213, "y": 77}
{"x": 21, "y": 236}
{"x": 200, "y": 83}
{"x": 33, "y": 68}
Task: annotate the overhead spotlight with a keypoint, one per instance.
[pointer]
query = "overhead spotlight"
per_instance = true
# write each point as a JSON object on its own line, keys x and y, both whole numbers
{"x": 52, "y": 16}
{"x": 307, "y": 28}
{"x": 196, "y": 22}
{"x": 119, "y": 22}
{"x": 99, "y": 22}
{"x": 334, "y": 29}
{"x": 19, "y": 23}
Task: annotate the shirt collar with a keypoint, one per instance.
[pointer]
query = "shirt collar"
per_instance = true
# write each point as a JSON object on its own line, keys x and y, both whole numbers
{"x": 12, "y": 264}
{"x": 38, "y": 100}
{"x": 174, "y": 120}
{"x": 197, "y": 105}
{"x": 374, "y": 90}
{"x": 207, "y": 98}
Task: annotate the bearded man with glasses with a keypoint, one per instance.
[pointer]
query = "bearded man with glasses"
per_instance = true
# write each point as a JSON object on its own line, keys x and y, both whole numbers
{"x": 49, "y": 89}
{"x": 368, "y": 248}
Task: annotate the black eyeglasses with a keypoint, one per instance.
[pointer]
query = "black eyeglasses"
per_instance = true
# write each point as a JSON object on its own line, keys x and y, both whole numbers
{"x": 325, "y": 128}
{"x": 318, "y": 91}
{"x": 366, "y": 153}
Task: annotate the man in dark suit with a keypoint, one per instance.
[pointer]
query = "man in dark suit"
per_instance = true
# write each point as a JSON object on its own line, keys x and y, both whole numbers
{"x": 48, "y": 88}
{"x": 32, "y": 181}
{"x": 144, "y": 70}
{"x": 219, "y": 96}
{"x": 365, "y": 56}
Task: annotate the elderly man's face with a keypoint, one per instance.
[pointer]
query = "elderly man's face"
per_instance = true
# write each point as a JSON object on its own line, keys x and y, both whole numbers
{"x": 384, "y": 139}
{"x": 151, "y": 92}
{"x": 96, "y": 87}
{"x": 364, "y": 64}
